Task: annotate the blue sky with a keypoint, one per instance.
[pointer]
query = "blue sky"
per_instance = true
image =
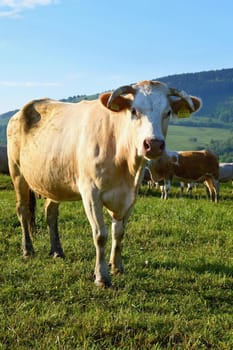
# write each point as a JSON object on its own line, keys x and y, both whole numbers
{"x": 62, "y": 48}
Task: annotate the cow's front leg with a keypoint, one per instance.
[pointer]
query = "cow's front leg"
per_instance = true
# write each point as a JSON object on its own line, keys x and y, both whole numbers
{"x": 51, "y": 215}
{"x": 115, "y": 261}
{"x": 93, "y": 208}
{"x": 118, "y": 230}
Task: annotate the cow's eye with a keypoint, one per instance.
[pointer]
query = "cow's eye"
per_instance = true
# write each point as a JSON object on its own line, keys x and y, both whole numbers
{"x": 133, "y": 111}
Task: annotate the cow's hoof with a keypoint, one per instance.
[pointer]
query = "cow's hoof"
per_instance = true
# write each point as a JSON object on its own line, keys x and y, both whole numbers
{"x": 116, "y": 270}
{"x": 103, "y": 283}
{"x": 57, "y": 254}
{"x": 27, "y": 254}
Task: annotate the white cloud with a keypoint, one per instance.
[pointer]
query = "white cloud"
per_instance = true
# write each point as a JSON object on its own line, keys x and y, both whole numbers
{"x": 28, "y": 84}
{"x": 13, "y": 8}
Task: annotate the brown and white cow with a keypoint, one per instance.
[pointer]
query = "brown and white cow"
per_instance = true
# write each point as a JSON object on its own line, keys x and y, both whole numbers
{"x": 4, "y": 168}
{"x": 94, "y": 151}
{"x": 188, "y": 166}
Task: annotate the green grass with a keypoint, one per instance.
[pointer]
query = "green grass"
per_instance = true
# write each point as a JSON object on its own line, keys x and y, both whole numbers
{"x": 181, "y": 138}
{"x": 176, "y": 293}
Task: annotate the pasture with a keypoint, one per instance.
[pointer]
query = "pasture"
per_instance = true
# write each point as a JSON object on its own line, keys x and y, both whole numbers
{"x": 181, "y": 138}
{"x": 176, "y": 293}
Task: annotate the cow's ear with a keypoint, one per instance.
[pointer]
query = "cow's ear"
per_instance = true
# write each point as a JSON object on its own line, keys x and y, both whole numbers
{"x": 120, "y": 103}
{"x": 182, "y": 109}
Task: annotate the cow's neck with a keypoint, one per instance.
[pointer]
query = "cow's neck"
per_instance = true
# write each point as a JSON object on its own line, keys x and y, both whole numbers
{"x": 126, "y": 152}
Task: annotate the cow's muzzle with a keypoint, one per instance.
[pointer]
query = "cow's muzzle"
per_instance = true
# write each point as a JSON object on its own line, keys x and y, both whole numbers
{"x": 153, "y": 148}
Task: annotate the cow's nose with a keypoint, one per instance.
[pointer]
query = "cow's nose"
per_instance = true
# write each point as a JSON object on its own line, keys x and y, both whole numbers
{"x": 153, "y": 147}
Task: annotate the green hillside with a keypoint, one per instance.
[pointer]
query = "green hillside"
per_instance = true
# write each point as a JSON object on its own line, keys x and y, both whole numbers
{"x": 181, "y": 138}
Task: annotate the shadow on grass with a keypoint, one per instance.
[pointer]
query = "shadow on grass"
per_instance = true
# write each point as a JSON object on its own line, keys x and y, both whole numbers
{"x": 200, "y": 268}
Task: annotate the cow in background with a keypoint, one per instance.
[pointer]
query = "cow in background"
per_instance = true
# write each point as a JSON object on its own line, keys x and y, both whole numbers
{"x": 147, "y": 178}
{"x": 4, "y": 168}
{"x": 225, "y": 172}
{"x": 92, "y": 150}
{"x": 165, "y": 188}
{"x": 188, "y": 166}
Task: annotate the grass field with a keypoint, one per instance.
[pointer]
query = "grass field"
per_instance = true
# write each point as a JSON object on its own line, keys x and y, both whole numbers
{"x": 181, "y": 138}
{"x": 176, "y": 293}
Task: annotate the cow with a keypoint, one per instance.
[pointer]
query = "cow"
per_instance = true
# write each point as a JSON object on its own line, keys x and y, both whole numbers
{"x": 92, "y": 150}
{"x": 163, "y": 186}
{"x": 148, "y": 180}
{"x": 4, "y": 168}
{"x": 225, "y": 172}
{"x": 188, "y": 166}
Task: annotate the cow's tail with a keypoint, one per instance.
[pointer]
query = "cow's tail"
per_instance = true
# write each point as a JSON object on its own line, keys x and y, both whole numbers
{"x": 32, "y": 208}
{"x": 30, "y": 114}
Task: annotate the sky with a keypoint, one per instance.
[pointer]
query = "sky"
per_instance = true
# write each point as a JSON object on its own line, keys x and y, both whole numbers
{"x": 62, "y": 48}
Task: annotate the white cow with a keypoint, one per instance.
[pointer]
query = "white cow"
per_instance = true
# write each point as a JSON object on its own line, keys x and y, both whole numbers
{"x": 225, "y": 172}
{"x": 93, "y": 150}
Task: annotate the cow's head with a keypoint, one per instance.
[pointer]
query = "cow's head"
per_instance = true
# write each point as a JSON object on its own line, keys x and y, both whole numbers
{"x": 152, "y": 106}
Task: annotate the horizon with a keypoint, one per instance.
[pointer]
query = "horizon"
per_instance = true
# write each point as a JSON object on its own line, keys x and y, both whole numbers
{"x": 99, "y": 92}
{"x": 58, "y": 49}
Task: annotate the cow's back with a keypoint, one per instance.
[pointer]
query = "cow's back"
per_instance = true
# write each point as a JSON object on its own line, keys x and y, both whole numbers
{"x": 44, "y": 140}
{"x": 194, "y": 165}
{"x": 161, "y": 168}
{"x": 57, "y": 145}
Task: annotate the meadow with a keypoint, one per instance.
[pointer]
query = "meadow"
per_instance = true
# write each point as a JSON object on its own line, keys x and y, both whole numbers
{"x": 176, "y": 293}
{"x": 181, "y": 138}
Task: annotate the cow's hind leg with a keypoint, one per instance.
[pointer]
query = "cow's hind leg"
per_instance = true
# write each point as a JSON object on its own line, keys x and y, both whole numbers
{"x": 212, "y": 187}
{"x": 167, "y": 187}
{"x": 25, "y": 208}
{"x": 51, "y": 215}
